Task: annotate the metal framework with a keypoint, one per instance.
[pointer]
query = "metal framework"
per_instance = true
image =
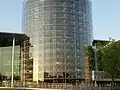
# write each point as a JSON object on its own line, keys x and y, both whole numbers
{"x": 9, "y": 41}
{"x": 88, "y": 70}
{"x": 27, "y": 63}
{"x": 88, "y": 57}
{"x": 58, "y": 30}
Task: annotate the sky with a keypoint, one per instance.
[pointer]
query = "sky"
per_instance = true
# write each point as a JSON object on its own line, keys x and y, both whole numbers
{"x": 105, "y": 14}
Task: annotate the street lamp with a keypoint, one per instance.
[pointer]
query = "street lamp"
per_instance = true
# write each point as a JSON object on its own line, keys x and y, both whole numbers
{"x": 94, "y": 72}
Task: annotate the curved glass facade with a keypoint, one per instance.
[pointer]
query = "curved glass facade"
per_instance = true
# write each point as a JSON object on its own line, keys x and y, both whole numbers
{"x": 58, "y": 30}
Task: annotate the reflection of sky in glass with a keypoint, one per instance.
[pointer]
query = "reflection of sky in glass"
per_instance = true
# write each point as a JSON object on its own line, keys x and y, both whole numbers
{"x": 5, "y": 60}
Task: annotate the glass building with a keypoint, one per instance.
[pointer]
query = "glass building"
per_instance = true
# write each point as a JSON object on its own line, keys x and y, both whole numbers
{"x": 14, "y": 43}
{"x": 58, "y": 31}
{"x": 6, "y": 61}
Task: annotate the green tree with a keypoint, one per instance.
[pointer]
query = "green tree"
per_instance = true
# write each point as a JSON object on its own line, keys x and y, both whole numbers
{"x": 99, "y": 45}
{"x": 111, "y": 60}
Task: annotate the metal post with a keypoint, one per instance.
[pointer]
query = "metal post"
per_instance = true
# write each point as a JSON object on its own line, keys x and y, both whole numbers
{"x": 96, "y": 68}
{"x": 95, "y": 64}
{"x": 13, "y": 50}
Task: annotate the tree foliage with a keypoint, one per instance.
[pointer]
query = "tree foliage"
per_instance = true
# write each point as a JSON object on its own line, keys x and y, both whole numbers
{"x": 111, "y": 59}
{"x": 99, "y": 45}
{"x": 99, "y": 61}
{"x": 88, "y": 51}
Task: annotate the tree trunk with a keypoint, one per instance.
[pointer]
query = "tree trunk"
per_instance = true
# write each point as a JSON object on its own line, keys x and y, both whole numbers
{"x": 112, "y": 84}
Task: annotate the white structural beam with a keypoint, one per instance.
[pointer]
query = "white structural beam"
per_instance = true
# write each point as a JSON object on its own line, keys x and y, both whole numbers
{"x": 13, "y": 51}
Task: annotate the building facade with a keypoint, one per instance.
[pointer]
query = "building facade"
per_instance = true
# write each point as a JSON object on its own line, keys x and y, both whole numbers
{"x": 6, "y": 61}
{"x": 21, "y": 61}
{"x": 58, "y": 31}
{"x": 14, "y": 43}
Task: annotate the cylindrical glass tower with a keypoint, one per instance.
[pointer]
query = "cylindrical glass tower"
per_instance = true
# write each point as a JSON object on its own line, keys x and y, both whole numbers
{"x": 58, "y": 30}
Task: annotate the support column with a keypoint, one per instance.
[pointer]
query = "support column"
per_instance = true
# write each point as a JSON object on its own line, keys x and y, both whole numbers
{"x": 13, "y": 51}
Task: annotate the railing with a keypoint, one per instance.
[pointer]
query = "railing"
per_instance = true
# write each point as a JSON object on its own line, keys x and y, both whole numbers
{"x": 61, "y": 86}
{"x": 33, "y": 85}
{"x": 106, "y": 79}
